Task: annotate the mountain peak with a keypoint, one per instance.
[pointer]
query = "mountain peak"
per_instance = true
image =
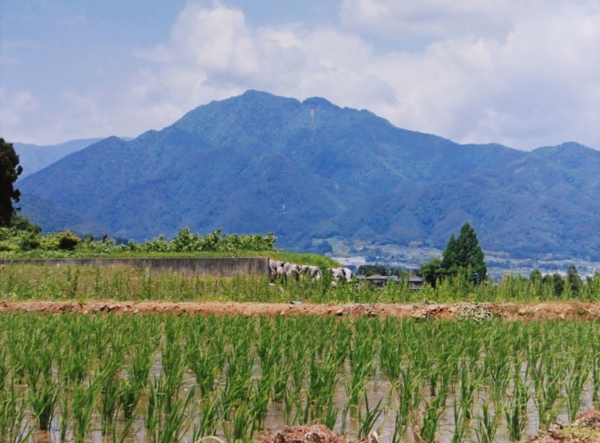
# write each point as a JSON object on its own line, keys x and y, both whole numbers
{"x": 312, "y": 170}
{"x": 318, "y": 101}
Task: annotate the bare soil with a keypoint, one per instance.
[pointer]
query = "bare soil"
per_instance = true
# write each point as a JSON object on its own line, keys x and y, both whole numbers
{"x": 477, "y": 311}
{"x": 311, "y": 434}
{"x": 586, "y": 429}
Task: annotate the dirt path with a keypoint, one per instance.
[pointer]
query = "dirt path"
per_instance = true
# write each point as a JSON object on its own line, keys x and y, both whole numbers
{"x": 511, "y": 311}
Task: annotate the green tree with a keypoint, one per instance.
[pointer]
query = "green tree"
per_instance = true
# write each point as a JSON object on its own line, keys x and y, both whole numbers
{"x": 465, "y": 253}
{"x": 573, "y": 280}
{"x": 535, "y": 275}
{"x": 450, "y": 262}
{"x": 431, "y": 271}
{"x": 9, "y": 173}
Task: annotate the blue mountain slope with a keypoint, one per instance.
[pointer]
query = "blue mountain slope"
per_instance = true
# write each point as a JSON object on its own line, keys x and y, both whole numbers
{"x": 304, "y": 170}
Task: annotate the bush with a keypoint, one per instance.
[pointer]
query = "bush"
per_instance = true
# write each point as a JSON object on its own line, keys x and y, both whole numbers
{"x": 29, "y": 241}
{"x": 67, "y": 241}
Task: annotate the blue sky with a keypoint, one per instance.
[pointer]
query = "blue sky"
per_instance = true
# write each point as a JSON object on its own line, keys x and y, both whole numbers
{"x": 522, "y": 73}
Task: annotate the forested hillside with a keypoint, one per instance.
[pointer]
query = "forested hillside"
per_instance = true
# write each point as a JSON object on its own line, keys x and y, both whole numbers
{"x": 311, "y": 170}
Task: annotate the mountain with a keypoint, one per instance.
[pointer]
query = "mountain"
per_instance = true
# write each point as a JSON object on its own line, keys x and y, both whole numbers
{"x": 35, "y": 157}
{"x": 312, "y": 170}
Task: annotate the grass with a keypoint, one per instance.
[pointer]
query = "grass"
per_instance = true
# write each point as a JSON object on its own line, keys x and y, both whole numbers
{"x": 80, "y": 283}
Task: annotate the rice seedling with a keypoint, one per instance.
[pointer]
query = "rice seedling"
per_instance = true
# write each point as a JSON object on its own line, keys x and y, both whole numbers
{"x": 460, "y": 422}
{"x": 434, "y": 408}
{"x": 210, "y": 417}
{"x": 547, "y": 385}
{"x": 596, "y": 379}
{"x": 135, "y": 380}
{"x": 176, "y": 423}
{"x": 43, "y": 389}
{"x": 515, "y": 408}
{"x": 242, "y": 425}
{"x": 306, "y": 367}
{"x": 469, "y": 382}
{"x": 13, "y": 415}
{"x": 368, "y": 418}
{"x": 84, "y": 401}
{"x": 577, "y": 370}
{"x": 322, "y": 380}
{"x": 361, "y": 362}
{"x": 487, "y": 425}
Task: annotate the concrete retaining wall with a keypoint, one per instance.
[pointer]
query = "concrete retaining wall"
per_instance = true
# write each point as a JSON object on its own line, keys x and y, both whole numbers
{"x": 189, "y": 266}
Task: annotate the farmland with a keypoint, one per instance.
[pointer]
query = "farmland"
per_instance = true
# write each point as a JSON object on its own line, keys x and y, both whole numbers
{"x": 115, "y": 354}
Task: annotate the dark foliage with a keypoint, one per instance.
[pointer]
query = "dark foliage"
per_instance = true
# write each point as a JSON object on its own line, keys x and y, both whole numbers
{"x": 462, "y": 255}
{"x": 9, "y": 173}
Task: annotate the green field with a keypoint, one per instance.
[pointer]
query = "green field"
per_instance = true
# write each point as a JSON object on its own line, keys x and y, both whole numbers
{"x": 179, "y": 378}
{"x": 80, "y": 283}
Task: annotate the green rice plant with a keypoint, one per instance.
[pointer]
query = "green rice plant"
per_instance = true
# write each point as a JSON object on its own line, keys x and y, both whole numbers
{"x": 595, "y": 368}
{"x": 460, "y": 422}
{"x": 241, "y": 427}
{"x": 368, "y": 419}
{"x": 577, "y": 371}
{"x": 109, "y": 386}
{"x": 331, "y": 414}
{"x": 261, "y": 400}
{"x": 64, "y": 416}
{"x": 202, "y": 360}
{"x": 84, "y": 401}
{"x": 135, "y": 380}
{"x": 547, "y": 387}
{"x": 238, "y": 375}
{"x": 176, "y": 424}
{"x": 392, "y": 349}
{"x": 4, "y": 370}
{"x": 497, "y": 365}
{"x": 210, "y": 416}
{"x": 43, "y": 389}
{"x": 434, "y": 409}
{"x": 487, "y": 425}
{"x": 400, "y": 428}
{"x": 515, "y": 410}
{"x": 165, "y": 416}
{"x": 322, "y": 380}
{"x": 154, "y": 408}
{"x": 361, "y": 363}
{"x": 173, "y": 360}
{"x": 469, "y": 381}
{"x": 13, "y": 415}
{"x": 43, "y": 398}
{"x": 408, "y": 390}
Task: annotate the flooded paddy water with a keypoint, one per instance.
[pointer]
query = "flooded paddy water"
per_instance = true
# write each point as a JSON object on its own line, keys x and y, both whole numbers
{"x": 158, "y": 378}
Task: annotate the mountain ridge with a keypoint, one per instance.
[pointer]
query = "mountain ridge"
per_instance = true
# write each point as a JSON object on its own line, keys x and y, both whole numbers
{"x": 310, "y": 170}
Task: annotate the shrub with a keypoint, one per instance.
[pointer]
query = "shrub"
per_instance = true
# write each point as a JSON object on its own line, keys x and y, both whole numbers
{"x": 67, "y": 241}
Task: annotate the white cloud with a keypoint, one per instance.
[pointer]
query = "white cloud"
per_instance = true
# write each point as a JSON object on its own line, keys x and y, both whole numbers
{"x": 525, "y": 74}
{"x": 531, "y": 81}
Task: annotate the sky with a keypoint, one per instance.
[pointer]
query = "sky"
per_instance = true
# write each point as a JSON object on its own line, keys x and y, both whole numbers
{"x": 523, "y": 73}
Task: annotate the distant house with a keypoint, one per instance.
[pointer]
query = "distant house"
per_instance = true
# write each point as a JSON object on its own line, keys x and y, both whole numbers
{"x": 377, "y": 280}
{"x": 416, "y": 283}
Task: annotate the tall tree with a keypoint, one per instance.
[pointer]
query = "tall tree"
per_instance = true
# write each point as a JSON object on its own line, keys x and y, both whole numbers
{"x": 465, "y": 253}
{"x": 573, "y": 280}
{"x": 9, "y": 173}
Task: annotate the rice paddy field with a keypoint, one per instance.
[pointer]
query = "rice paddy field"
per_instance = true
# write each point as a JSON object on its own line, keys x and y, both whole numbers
{"x": 187, "y": 377}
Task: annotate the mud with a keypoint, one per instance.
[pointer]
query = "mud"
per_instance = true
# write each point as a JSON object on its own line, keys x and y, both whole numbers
{"x": 311, "y": 434}
{"x": 476, "y": 311}
{"x": 586, "y": 429}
